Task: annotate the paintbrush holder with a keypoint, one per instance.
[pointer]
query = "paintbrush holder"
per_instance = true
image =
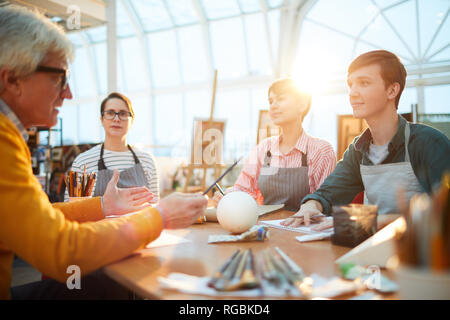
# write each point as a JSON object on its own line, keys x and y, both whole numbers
{"x": 353, "y": 224}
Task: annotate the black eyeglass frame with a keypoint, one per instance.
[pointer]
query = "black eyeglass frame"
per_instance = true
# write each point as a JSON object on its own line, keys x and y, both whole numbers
{"x": 64, "y": 72}
{"x": 117, "y": 114}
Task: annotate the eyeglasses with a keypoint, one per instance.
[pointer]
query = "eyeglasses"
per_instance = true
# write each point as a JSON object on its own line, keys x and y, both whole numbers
{"x": 111, "y": 114}
{"x": 64, "y": 72}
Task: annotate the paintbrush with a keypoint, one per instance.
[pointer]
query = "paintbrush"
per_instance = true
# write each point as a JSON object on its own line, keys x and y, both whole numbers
{"x": 220, "y": 189}
{"x": 223, "y": 175}
{"x": 293, "y": 272}
{"x": 222, "y": 283}
{"x": 291, "y": 265}
{"x": 248, "y": 278}
{"x": 219, "y": 273}
{"x": 280, "y": 273}
{"x": 235, "y": 281}
{"x": 269, "y": 272}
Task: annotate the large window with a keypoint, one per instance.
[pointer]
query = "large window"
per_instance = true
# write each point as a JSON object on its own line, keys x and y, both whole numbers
{"x": 333, "y": 33}
{"x": 168, "y": 51}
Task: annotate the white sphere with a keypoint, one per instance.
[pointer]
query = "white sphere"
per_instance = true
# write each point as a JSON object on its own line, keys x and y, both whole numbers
{"x": 237, "y": 212}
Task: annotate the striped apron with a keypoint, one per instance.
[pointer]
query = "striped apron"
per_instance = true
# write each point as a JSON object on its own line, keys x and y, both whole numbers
{"x": 284, "y": 185}
{"x": 131, "y": 177}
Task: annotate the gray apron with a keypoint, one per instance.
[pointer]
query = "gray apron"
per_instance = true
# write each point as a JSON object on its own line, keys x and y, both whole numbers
{"x": 284, "y": 185}
{"x": 131, "y": 177}
{"x": 382, "y": 181}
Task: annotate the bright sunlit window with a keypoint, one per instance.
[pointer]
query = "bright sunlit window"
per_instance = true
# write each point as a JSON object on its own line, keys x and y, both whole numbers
{"x": 168, "y": 51}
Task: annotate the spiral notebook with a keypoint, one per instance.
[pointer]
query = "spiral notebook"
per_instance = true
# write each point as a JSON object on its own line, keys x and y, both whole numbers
{"x": 301, "y": 229}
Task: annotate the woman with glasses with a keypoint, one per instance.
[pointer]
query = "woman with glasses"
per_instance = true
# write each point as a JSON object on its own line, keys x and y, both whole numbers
{"x": 136, "y": 167}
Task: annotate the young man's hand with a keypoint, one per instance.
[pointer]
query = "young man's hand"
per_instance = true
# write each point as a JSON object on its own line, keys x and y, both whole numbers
{"x": 305, "y": 215}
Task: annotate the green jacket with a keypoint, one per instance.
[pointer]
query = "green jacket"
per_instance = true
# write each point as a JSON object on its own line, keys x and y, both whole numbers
{"x": 429, "y": 152}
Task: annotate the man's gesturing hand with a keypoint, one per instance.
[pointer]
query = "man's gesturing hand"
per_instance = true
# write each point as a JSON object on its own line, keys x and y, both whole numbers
{"x": 118, "y": 201}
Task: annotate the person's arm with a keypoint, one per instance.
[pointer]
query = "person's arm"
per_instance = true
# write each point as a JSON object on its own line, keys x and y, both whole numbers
{"x": 342, "y": 185}
{"x": 151, "y": 173}
{"x": 40, "y": 234}
{"x": 323, "y": 166}
{"x": 429, "y": 151}
{"x": 248, "y": 178}
{"x": 89, "y": 209}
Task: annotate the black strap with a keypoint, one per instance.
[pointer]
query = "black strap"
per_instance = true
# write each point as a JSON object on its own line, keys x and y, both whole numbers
{"x": 269, "y": 155}
{"x": 101, "y": 162}
{"x": 136, "y": 160}
{"x": 304, "y": 159}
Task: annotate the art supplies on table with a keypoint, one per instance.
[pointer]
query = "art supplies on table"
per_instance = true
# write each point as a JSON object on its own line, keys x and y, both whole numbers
{"x": 423, "y": 245}
{"x": 201, "y": 220}
{"x": 301, "y": 229}
{"x": 370, "y": 277}
{"x": 332, "y": 287}
{"x": 237, "y": 273}
{"x": 273, "y": 274}
{"x": 425, "y": 240}
{"x": 80, "y": 184}
{"x": 255, "y": 233}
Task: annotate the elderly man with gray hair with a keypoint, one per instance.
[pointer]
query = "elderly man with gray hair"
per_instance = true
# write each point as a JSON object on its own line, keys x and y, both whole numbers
{"x": 53, "y": 238}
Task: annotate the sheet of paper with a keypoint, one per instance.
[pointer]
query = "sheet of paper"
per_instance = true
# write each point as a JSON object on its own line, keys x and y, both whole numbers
{"x": 301, "y": 229}
{"x": 199, "y": 285}
{"x": 264, "y": 209}
{"x": 315, "y": 236}
{"x": 166, "y": 239}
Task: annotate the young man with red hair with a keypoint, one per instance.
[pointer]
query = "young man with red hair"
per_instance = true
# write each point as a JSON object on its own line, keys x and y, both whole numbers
{"x": 391, "y": 154}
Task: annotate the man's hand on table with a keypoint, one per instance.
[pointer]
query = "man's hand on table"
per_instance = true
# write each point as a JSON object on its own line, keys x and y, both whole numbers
{"x": 307, "y": 214}
{"x": 118, "y": 201}
{"x": 180, "y": 210}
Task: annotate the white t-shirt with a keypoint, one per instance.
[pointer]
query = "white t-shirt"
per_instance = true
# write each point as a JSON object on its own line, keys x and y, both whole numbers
{"x": 120, "y": 161}
{"x": 377, "y": 154}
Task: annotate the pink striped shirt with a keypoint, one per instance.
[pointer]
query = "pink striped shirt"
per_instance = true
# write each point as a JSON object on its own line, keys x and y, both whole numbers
{"x": 321, "y": 161}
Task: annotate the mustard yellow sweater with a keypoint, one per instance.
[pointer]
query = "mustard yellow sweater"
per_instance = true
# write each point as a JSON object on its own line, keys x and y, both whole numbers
{"x": 52, "y": 237}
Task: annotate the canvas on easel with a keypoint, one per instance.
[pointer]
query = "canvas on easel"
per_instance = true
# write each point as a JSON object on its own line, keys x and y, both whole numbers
{"x": 207, "y": 145}
{"x": 266, "y": 128}
{"x": 207, "y": 142}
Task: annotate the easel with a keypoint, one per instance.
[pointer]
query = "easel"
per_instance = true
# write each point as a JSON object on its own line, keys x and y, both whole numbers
{"x": 198, "y": 160}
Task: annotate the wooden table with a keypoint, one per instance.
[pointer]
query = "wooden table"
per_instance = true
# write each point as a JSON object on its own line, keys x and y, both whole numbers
{"x": 140, "y": 271}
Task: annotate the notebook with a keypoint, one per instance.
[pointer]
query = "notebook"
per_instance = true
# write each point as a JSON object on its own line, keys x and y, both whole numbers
{"x": 301, "y": 229}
